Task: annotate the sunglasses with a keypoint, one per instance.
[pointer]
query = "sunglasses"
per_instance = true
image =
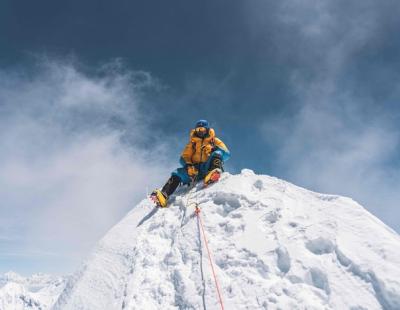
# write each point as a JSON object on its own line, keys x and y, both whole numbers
{"x": 201, "y": 131}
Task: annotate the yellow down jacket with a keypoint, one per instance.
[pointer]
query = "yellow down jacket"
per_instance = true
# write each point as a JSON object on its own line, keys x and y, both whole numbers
{"x": 198, "y": 150}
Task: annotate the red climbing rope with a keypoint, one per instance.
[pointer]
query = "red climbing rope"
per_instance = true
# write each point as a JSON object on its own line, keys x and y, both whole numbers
{"x": 197, "y": 212}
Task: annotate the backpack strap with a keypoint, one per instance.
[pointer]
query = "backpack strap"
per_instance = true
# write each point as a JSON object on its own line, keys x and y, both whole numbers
{"x": 212, "y": 141}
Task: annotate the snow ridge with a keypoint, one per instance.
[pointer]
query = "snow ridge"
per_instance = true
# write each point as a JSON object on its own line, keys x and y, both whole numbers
{"x": 275, "y": 246}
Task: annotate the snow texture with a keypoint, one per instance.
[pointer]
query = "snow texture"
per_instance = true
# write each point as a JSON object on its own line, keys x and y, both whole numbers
{"x": 274, "y": 245}
{"x": 38, "y": 292}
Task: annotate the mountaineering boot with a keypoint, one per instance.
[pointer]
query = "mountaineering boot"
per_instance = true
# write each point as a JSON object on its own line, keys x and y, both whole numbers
{"x": 213, "y": 176}
{"x": 160, "y": 197}
{"x": 215, "y": 171}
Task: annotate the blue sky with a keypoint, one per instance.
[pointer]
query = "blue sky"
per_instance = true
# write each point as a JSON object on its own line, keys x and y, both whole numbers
{"x": 97, "y": 99}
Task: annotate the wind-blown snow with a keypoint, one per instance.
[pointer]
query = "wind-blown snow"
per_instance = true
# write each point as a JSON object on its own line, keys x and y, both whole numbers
{"x": 36, "y": 292}
{"x": 275, "y": 246}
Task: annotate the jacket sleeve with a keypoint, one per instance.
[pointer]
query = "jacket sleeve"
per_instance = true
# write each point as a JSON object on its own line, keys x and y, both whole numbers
{"x": 187, "y": 153}
{"x": 223, "y": 150}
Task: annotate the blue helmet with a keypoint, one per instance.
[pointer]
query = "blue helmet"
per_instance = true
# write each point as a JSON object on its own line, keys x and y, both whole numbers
{"x": 202, "y": 123}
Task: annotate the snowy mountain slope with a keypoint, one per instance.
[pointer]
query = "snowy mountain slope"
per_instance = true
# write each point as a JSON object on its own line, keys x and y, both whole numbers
{"x": 275, "y": 246}
{"x": 39, "y": 291}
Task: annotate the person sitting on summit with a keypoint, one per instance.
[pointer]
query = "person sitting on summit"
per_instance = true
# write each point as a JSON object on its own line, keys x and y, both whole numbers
{"x": 202, "y": 158}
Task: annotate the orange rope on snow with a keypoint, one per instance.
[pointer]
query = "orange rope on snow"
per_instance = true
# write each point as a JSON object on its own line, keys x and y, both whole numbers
{"x": 197, "y": 212}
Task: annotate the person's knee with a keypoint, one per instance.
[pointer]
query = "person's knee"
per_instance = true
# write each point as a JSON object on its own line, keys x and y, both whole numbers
{"x": 217, "y": 154}
{"x": 177, "y": 174}
{"x": 224, "y": 155}
{"x": 182, "y": 175}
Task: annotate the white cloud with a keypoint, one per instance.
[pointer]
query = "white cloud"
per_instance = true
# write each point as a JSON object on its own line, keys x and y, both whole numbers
{"x": 72, "y": 158}
{"x": 336, "y": 140}
{"x": 338, "y": 151}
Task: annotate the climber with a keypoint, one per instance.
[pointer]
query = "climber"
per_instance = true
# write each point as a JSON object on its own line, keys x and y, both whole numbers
{"x": 202, "y": 158}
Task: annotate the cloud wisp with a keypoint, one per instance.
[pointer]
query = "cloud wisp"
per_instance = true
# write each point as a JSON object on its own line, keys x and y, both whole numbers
{"x": 74, "y": 158}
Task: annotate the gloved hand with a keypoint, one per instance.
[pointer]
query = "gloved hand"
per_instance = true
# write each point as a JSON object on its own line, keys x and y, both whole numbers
{"x": 192, "y": 171}
{"x": 208, "y": 149}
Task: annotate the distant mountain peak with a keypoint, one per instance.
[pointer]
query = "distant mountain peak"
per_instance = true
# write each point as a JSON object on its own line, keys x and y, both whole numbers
{"x": 38, "y": 291}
